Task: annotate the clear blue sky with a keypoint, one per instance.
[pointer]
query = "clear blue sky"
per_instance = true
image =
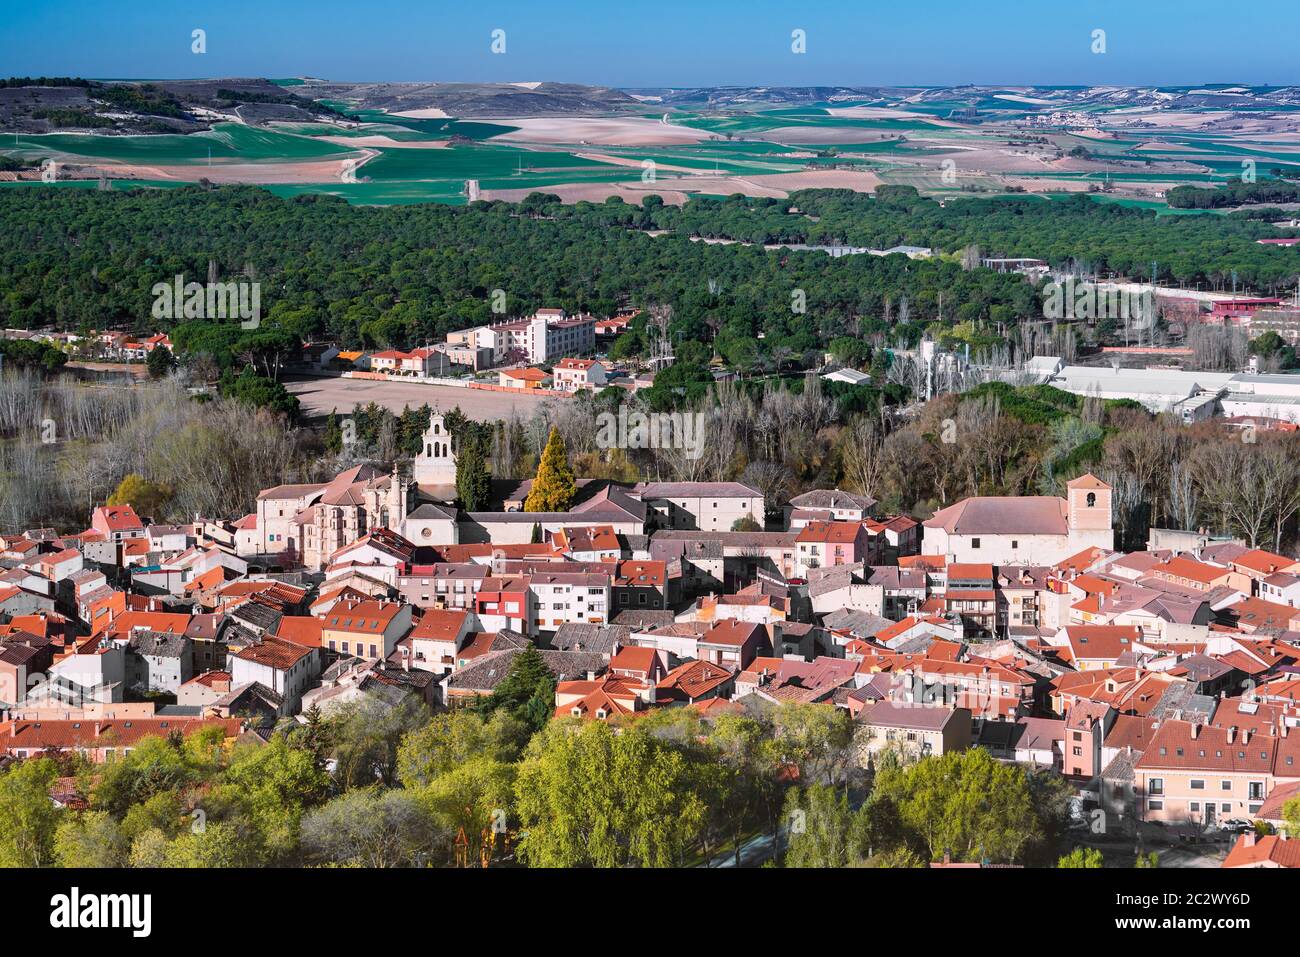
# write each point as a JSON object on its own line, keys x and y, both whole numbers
{"x": 665, "y": 42}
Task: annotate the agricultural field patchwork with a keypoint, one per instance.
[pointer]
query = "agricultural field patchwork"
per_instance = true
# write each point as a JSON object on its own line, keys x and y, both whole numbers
{"x": 985, "y": 142}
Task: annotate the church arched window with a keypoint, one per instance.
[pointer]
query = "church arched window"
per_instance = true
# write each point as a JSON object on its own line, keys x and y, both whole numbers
{"x": 1092, "y": 499}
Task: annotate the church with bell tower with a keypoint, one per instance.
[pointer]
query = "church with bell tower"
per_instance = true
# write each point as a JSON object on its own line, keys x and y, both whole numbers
{"x": 434, "y": 469}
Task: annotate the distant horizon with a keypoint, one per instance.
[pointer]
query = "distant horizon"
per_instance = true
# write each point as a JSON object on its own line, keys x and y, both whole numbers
{"x": 677, "y": 44}
{"x": 272, "y": 77}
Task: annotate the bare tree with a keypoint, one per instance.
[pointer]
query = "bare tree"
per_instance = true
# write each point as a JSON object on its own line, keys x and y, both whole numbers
{"x": 1184, "y": 496}
{"x": 863, "y": 457}
{"x": 1230, "y": 475}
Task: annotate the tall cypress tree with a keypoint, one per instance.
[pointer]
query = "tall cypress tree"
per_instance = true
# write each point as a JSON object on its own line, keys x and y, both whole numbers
{"x": 473, "y": 486}
{"x": 554, "y": 488}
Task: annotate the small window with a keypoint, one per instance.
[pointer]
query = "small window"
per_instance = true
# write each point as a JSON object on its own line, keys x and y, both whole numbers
{"x": 974, "y": 543}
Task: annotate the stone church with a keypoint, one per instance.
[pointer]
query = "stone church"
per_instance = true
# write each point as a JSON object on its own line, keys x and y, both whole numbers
{"x": 303, "y": 525}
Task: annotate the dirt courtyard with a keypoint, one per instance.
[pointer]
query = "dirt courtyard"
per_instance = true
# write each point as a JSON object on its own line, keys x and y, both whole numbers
{"x": 321, "y": 396}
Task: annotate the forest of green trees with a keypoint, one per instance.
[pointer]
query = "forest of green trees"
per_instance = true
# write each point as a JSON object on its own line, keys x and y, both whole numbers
{"x": 378, "y": 786}
{"x": 401, "y": 276}
{"x": 1235, "y": 192}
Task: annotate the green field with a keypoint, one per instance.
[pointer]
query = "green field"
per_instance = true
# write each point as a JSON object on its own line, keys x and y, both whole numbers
{"x": 227, "y": 141}
{"x": 399, "y": 175}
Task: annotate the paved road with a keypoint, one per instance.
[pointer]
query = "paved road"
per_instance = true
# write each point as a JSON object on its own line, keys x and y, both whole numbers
{"x": 321, "y": 396}
{"x": 752, "y": 853}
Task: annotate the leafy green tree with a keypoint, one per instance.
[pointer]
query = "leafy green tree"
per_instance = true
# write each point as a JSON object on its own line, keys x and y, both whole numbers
{"x": 267, "y": 349}
{"x": 270, "y": 787}
{"x": 895, "y": 858}
{"x": 554, "y": 488}
{"x": 1147, "y": 861}
{"x": 154, "y": 766}
{"x": 817, "y": 739}
{"x": 149, "y": 849}
{"x": 91, "y": 839}
{"x": 260, "y": 392}
{"x": 1271, "y": 345}
{"x": 962, "y": 802}
{"x": 1291, "y": 814}
{"x": 528, "y": 682}
{"x": 364, "y": 739}
{"x": 584, "y": 798}
{"x": 821, "y": 826}
{"x": 162, "y": 812}
{"x": 850, "y": 350}
{"x": 1081, "y": 857}
{"x": 751, "y": 792}
{"x": 160, "y": 362}
{"x": 746, "y": 523}
{"x": 220, "y": 844}
{"x": 31, "y": 353}
{"x": 454, "y": 737}
{"x": 475, "y": 795}
{"x": 28, "y": 818}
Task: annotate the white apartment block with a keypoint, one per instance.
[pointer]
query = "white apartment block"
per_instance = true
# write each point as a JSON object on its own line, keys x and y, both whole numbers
{"x": 545, "y": 336}
{"x": 562, "y": 598}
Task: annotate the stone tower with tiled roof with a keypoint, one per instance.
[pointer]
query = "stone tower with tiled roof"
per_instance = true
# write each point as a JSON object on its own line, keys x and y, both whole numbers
{"x": 1089, "y": 505}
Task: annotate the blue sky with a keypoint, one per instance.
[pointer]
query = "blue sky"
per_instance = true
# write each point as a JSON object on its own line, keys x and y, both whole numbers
{"x": 664, "y": 43}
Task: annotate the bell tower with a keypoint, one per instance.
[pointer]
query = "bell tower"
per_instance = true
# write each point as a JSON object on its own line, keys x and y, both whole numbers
{"x": 1088, "y": 498}
{"x": 436, "y": 463}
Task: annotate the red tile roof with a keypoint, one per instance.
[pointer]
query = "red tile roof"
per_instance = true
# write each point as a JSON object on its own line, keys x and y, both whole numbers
{"x": 302, "y": 630}
{"x": 366, "y": 617}
{"x": 1270, "y": 850}
{"x": 275, "y": 653}
{"x": 440, "y": 625}
{"x": 103, "y": 733}
{"x": 119, "y": 518}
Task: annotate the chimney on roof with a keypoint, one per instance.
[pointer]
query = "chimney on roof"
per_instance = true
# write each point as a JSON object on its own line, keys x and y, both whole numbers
{"x": 1232, "y": 733}
{"x": 1245, "y": 735}
{"x": 98, "y": 728}
{"x": 1248, "y": 839}
{"x": 1196, "y": 731}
